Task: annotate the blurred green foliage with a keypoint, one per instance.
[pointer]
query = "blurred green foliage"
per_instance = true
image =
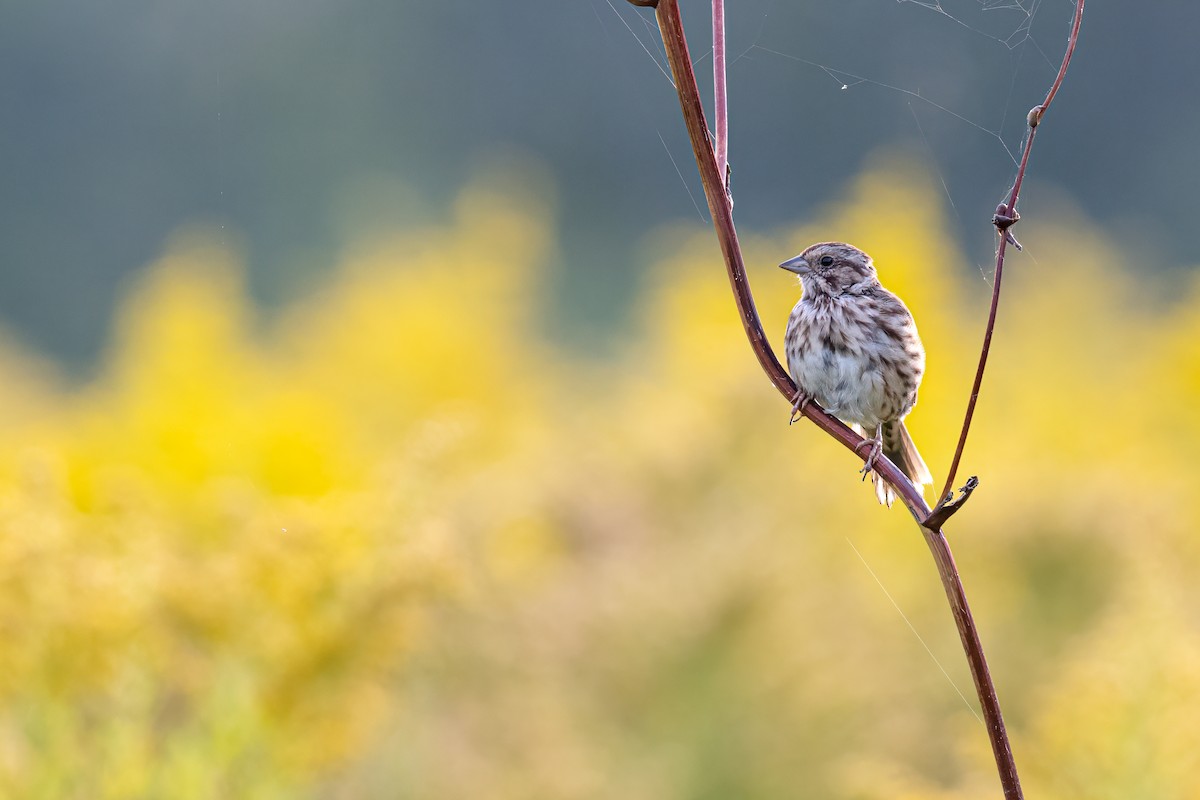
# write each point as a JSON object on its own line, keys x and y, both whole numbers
{"x": 395, "y": 544}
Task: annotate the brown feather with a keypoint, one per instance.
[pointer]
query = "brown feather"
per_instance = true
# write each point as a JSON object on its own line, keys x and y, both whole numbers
{"x": 853, "y": 346}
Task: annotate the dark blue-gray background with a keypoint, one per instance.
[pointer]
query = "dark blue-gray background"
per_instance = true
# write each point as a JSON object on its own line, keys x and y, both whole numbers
{"x": 288, "y": 122}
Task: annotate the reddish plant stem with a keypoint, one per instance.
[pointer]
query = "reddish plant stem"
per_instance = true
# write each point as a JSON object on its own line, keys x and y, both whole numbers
{"x": 720, "y": 96}
{"x": 1006, "y": 216}
{"x": 671, "y": 27}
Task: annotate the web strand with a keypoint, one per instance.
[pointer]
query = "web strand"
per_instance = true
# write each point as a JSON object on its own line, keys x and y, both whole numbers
{"x": 1008, "y": 24}
{"x": 844, "y": 78}
{"x": 912, "y": 628}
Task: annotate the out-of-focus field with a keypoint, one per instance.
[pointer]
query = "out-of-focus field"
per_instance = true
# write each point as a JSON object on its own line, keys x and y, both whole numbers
{"x": 391, "y": 543}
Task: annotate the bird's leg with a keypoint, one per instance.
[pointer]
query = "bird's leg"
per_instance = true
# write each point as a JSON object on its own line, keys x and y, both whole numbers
{"x": 876, "y": 447}
{"x": 799, "y": 401}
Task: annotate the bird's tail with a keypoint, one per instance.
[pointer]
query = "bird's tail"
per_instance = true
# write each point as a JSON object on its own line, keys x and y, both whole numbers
{"x": 899, "y": 448}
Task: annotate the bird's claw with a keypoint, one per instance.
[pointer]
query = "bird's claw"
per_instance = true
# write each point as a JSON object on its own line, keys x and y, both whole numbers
{"x": 876, "y": 447}
{"x": 800, "y": 401}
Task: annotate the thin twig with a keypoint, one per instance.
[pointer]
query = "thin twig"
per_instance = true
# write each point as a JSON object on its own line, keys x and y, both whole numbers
{"x": 722, "y": 215}
{"x": 1006, "y": 216}
{"x": 671, "y": 28}
{"x": 950, "y": 505}
{"x": 720, "y": 96}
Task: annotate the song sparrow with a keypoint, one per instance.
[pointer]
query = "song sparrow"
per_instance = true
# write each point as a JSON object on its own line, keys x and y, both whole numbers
{"x": 852, "y": 346}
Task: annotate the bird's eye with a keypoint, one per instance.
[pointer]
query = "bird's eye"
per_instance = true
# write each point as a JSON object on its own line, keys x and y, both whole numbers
{"x": 826, "y": 261}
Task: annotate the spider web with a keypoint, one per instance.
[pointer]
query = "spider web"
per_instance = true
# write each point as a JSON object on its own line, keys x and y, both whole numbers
{"x": 994, "y": 43}
{"x": 957, "y": 76}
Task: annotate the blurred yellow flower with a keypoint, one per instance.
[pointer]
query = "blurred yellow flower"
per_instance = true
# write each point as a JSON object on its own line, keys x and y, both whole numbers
{"x": 392, "y": 543}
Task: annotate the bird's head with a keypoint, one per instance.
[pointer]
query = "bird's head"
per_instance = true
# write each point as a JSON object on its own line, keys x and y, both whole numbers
{"x": 832, "y": 268}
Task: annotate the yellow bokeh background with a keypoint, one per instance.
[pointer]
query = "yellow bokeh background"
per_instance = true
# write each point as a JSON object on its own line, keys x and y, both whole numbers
{"x": 392, "y": 542}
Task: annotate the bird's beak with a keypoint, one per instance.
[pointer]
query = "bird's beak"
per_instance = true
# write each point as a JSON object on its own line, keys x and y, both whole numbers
{"x": 797, "y": 265}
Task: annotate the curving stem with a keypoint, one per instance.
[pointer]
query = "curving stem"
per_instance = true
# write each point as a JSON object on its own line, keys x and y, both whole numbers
{"x": 1005, "y": 217}
{"x": 671, "y": 28}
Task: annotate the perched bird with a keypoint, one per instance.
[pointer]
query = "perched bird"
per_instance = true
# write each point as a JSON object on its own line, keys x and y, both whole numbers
{"x": 852, "y": 346}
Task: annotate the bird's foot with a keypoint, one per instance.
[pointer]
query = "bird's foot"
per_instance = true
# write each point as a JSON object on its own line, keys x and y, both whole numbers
{"x": 800, "y": 400}
{"x": 875, "y": 445}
